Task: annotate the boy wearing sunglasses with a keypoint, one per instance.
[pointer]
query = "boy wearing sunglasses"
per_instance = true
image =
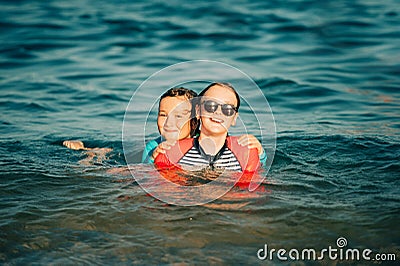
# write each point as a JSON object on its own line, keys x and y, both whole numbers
{"x": 217, "y": 109}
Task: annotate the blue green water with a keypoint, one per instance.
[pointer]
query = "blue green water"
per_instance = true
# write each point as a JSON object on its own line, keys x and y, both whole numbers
{"x": 329, "y": 69}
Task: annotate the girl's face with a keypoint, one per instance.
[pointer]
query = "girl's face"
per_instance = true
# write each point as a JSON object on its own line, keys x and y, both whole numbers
{"x": 218, "y": 110}
{"x": 174, "y": 116}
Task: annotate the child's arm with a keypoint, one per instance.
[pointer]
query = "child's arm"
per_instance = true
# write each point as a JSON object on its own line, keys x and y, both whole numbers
{"x": 99, "y": 153}
{"x": 252, "y": 142}
{"x": 152, "y": 150}
{"x": 162, "y": 148}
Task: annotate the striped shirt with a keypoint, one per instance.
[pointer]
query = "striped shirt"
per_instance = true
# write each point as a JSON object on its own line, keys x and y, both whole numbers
{"x": 196, "y": 158}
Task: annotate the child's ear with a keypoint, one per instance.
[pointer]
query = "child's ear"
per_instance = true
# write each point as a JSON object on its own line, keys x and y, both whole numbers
{"x": 234, "y": 119}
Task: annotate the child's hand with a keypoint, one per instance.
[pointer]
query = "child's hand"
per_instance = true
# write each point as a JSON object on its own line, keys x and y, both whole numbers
{"x": 162, "y": 148}
{"x": 251, "y": 142}
{"x": 74, "y": 144}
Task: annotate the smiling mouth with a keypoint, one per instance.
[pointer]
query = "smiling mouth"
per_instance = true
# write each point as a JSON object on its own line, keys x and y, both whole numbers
{"x": 216, "y": 120}
{"x": 170, "y": 130}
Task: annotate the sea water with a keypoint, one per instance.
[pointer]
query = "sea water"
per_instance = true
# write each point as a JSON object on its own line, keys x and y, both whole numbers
{"x": 329, "y": 69}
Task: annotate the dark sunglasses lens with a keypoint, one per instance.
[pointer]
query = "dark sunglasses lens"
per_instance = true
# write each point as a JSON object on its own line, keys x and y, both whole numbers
{"x": 228, "y": 110}
{"x": 210, "y": 106}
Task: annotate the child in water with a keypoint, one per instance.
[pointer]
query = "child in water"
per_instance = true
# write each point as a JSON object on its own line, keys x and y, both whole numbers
{"x": 177, "y": 120}
{"x": 218, "y": 108}
{"x": 174, "y": 121}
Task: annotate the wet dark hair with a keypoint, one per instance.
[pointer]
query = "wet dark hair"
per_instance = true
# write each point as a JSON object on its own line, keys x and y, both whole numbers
{"x": 225, "y": 85}
{"x": 179, "y": 91}
{"x": 190, "y": 95}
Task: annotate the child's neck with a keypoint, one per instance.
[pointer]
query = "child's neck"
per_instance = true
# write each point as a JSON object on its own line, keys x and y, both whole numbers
{"x": 211, "y": 144}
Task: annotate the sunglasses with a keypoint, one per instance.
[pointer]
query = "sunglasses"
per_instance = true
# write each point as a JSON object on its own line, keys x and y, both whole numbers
{"x": 227, "y": 109}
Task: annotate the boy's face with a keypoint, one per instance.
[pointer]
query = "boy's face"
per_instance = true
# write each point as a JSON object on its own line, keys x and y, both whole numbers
{"x": 174, "y": 116}
{"x": 215, "y": 121}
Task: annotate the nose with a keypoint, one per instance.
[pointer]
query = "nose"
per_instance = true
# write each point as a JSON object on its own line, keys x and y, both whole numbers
{"x": 170, "y": 121}
{"x": 219, "y": 110}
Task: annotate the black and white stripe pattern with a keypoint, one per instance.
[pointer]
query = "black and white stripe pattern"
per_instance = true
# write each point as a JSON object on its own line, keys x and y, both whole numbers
{"x": 227, "y": 160}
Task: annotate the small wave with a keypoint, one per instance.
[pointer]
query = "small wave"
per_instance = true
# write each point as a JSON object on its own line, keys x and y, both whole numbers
{"x": 267, "y": 83}
{"x": 226, "y": 36}
{"x": 348, "y": 24}
{"x": 17, "y": 52}
{"x": 256, "y": 58}
{"x": 186, "y": 36}
{"x": 290, "y": 29}
{"x": 133, "y": 44}
{"x": 127, "y": 26}
{"x": 24, "y": 106}
{"x": 85, "y": 76}
{"x": 322, "y": 51}
{"x": 45, "y": 46}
